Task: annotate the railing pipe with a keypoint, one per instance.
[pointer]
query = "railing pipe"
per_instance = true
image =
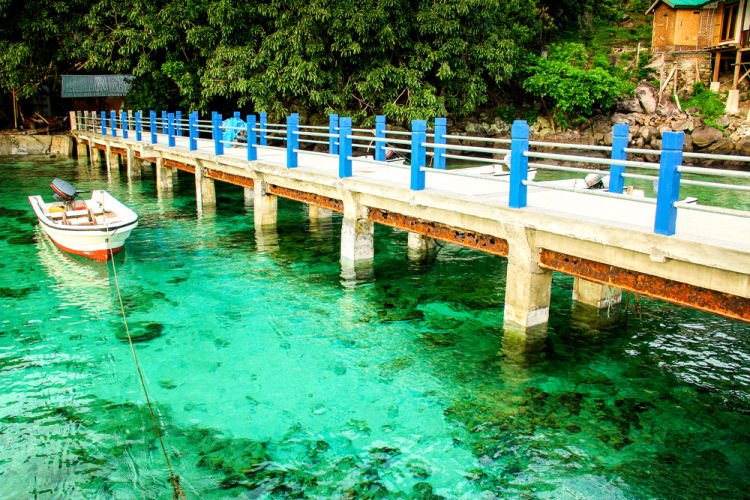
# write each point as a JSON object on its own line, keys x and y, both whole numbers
{"x": 170, "y": 130}
{"x": 292, "y": 140}
{"x": 668, "y": 191}
{"x": 345, "y": 147}
{"x": 519, "y": 164}
{"x": 262, "y": 125}
{"x": 152, "y": 125}
{"x": 418, "y": 132}
{"x": 619, "y": 143}
{"x": 380, "y": 134}
{"x": 439, "y": 140}
{"x": 252, "y": 151}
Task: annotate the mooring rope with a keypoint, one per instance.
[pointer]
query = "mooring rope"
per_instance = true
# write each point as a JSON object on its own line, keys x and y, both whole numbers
{"x": 174, "y": 479}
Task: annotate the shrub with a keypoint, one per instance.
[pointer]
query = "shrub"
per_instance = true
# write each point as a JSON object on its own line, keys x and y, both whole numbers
{"x": 708, "y": 103}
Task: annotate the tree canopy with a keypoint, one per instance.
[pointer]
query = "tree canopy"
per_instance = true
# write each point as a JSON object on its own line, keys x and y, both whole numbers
{"x": 403, "y": 58}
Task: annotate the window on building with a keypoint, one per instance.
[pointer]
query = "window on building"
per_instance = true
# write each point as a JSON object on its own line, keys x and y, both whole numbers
{"x": 728, "y": 22}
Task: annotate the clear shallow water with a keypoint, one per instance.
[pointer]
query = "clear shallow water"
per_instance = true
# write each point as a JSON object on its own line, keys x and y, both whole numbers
{"x": 276, "y": 376}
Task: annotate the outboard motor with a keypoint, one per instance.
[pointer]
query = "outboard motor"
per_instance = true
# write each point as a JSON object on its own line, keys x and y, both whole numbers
{"x": 64, "y": 191}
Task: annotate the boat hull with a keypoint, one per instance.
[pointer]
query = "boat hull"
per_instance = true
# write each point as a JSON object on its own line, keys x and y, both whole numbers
{"x": 97, "y": 230}
{"x": 97, "y": 246}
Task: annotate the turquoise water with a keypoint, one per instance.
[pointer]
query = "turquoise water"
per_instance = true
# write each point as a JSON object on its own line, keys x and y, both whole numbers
{"x": 275, "y": 376}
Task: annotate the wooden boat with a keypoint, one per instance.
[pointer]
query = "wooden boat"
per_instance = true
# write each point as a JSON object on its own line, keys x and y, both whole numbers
{"x": 95, "y": 228}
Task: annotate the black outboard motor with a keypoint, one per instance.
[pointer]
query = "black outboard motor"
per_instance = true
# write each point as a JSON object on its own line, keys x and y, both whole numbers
{"x": 64, "y": 191}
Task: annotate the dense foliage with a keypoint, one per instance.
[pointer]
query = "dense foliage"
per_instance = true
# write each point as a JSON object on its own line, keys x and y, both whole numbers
{"x": 403, "y": 58}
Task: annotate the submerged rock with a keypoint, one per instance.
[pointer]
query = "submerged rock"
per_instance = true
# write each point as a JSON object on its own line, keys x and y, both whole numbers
{"x": 141, "y": 333}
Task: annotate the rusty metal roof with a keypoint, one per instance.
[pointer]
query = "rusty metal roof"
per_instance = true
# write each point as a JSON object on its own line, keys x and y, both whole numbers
{"x": 95, "y": 85}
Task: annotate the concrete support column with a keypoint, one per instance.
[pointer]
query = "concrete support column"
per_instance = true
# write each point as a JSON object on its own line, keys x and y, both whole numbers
{"x": 357, "y": 242}
{"x": 134, "y": 165}
{"x": 316, "y": 212}
{"x": 249, "y": 196}
{"x": 205, "y": 189}
{"x": 265, "y": 205}
{"x": 528, "y": 286}
{"x": 163, "y": 176}
{"x": 112, "y": 159}
{"x": 420, "y": 247}
{"x": 95, "y": 155}
{"x": 595, "y": 294}
{"x": 82, "y": 149}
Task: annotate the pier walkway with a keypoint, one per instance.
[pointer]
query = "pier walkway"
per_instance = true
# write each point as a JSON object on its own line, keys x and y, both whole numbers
{"x": 610, "y": 239}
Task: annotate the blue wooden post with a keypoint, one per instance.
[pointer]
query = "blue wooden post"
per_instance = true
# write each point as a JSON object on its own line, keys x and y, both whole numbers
{"x": 333, "y": 124}
{"x": 104, "y": 123}
{"x": 252, "y": 138}
{"x": 152, "y": 125}
{"x": 113, "y": 122}
{"x": 124, "y": 123}
{"x": 380, "y": 134}
{"x": 178, "y": 123}
{"x": 217, "y": 134}
{"x": 263, "y": 116}
{"x": 138, "y": 126}
{"x": 292, "y": 140}
{"x": 519, "y": 163}
{"x": 170, "y": 130}
{"x": 669, "y": 183}
{"x": 164, "y": 122}
{"x": 441, "y": 125}
{"x": 418, "y": 137}
{"x": 345, "y": 147}
{"x": 193, "y": 131}
{"x": 237, "y": 115}
{"x": 619, "y": 143}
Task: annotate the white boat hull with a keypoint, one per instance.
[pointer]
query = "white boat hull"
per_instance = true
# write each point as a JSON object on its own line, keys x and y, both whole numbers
{"x": 96, "y": 230}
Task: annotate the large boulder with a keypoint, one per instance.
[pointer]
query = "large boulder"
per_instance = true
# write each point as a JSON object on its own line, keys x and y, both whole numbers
{"x": 629, "y": 106}
{"x": 743, "y": 147}
{"x": 646, "y": 95}
{"x": 705, "y": 136}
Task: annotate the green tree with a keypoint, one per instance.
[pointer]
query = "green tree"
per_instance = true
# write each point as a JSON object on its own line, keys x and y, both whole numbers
{"x": 569, "y": 86}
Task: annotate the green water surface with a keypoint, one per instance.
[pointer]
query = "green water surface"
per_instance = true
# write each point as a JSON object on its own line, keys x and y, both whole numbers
{"x": 274, "y": 375}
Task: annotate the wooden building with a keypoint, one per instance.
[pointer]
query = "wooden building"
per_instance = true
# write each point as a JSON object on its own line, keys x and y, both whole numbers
{"x": 721, "y": 30}
{"x": 95, "y": 92}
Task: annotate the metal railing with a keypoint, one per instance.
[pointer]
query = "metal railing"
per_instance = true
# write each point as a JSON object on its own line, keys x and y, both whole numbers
{"x": 513, "y": 169}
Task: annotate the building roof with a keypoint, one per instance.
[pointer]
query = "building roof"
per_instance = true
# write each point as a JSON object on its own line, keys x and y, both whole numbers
{"x": 679, "y": 4}
{"x": 95, "y": 85}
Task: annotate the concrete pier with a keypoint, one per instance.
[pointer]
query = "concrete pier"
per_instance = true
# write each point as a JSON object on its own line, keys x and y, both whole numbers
{"x": 205, "y": 189}
{"x": 608, "y": 244}
{"x": 528, "y": 286}
{"x": 265, "y": 205}
{"x": 595, "y": 294}
{"x": 420, "y": 247}
{"x": 357, "y": 244}
{"x": 164, "y": 176}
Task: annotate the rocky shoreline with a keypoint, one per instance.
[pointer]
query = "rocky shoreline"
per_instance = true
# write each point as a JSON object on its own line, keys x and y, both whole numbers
{"x": 648, "y": 119}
